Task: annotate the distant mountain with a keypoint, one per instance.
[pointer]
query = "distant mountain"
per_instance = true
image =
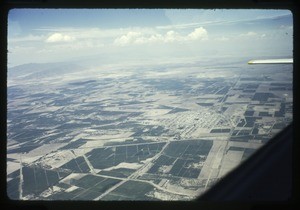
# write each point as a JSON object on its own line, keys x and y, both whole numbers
{"x": 41, "y": 70}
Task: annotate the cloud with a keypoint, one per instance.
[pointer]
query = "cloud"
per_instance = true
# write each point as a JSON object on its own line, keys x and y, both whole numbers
{"x": 58, "y": 37}
{"x": 198, "y": 33}
{"x": 169, "y": 37}
{"x": 250, "y": 33}
{"x": 130, "y": 37}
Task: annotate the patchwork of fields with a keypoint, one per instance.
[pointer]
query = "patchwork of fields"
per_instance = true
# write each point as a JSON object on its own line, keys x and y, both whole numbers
{"x": 141, "y": 135}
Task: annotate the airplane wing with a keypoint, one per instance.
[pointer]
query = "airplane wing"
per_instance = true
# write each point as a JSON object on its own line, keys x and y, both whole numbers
{"x": 272, "y": 61}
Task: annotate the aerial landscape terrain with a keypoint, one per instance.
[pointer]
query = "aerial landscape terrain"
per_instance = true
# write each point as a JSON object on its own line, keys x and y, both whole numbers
{"x": 140, "y": 104}
{"x": 158, "y": 132}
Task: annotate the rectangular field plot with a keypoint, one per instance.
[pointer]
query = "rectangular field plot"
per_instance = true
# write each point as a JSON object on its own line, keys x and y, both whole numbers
{"x": 13, "y": 188}
{"x": 102, "y": 158}
{"x": 183, "y": 168}
{"x": 77, "y": 165}
{"x": 63, "y": 195}
{"x": 88, "y": 187}
{"x": 86, "y": 195}
{"x": 94, "y": 183}
{"x": 161, "y": 161}
{"x": 227, "y": 130}
{"x": 192, "y": 149}
{"x": 36, "y": 180}
{"x": 87, "y": 181}
{"x": 74, "y": 144}
{"x": 150, "y": 131}
{"x": 99, "y": 183}
{"x": 182, "y": 158}
{"x": 24, "y": 149}
{"x": 14, "y": 174}
{"x": 131, "y": 190}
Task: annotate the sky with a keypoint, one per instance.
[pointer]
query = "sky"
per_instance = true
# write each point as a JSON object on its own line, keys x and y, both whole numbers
{"x": 121, "y": 35}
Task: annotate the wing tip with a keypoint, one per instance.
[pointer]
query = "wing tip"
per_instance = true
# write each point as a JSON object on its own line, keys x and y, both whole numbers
{"x": 272, "y": 61}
